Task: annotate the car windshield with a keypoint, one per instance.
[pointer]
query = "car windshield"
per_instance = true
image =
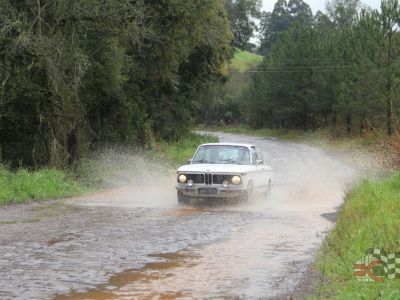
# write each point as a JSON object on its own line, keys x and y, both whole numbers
{"x": 214, "y": 154}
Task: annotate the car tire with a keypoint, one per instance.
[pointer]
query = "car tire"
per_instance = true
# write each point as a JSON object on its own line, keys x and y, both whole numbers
{"x": 183, "y": 199}
{"x": 248, "y": 196}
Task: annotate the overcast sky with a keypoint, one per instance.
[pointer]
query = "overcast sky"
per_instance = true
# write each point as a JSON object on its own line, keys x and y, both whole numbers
{"x": 268, "y": 5}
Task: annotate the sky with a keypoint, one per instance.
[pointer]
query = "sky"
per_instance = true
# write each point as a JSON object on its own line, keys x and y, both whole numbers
{"x": 268, "y": 5}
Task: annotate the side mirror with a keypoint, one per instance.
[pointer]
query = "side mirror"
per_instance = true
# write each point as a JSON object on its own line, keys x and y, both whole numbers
{"x": 189, "y": 161}
{"x": 260, "y": 162}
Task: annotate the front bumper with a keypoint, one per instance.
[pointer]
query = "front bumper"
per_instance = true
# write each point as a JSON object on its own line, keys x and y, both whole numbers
{"x": 221, "y": 192}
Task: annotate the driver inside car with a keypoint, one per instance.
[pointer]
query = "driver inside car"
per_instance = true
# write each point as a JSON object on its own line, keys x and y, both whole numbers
{"x": 243, "y": 157}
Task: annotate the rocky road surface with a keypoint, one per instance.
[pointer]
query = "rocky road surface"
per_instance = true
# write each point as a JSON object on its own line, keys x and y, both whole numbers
{"x": 137, "y": 243}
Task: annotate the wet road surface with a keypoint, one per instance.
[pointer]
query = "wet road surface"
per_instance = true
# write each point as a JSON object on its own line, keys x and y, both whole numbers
{"x": 137, "y": 243}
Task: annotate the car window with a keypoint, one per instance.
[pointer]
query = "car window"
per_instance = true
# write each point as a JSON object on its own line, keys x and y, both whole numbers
{"x": 215, "y": 154}
{"x": 253, "y": 157}
{"x": 260, "y": 157}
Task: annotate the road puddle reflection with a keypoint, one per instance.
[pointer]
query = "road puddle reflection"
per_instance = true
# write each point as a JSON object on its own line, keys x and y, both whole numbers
{"x": 132, "y": 284}
{"x": 183, "y": 212}
{"x": 64, "y": 238}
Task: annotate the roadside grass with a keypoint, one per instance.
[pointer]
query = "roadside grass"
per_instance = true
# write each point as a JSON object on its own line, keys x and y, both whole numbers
{"x": 178, "y": 152}
{"x": 23, "y": 185}
{"x": 243, "y": 60}
{"x": 368, "y": 219}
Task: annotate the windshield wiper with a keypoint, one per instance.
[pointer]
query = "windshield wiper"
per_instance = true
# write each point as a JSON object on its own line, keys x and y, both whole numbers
{"x": 231, "y": 161}
{"x": 203, "y": 161}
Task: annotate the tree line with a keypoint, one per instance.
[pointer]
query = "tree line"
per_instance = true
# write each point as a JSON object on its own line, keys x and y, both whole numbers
{"x": 76, "y": 73}
{"x": 336, "y": 69}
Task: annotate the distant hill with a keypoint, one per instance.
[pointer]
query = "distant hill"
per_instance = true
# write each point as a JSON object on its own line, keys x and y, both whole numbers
{"x": 244, "y": 60}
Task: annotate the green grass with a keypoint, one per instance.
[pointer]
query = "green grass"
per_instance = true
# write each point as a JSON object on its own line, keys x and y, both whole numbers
{"x": 180, "y": 151}
{"x": 24, "y": 185}
{"x": 244, "y": 60}
{"x": 369, "y": 218}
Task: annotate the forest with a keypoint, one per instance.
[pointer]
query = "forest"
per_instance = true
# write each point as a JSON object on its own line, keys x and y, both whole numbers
{"x": 76, "y": 74}
{"x": 339, "y": 69}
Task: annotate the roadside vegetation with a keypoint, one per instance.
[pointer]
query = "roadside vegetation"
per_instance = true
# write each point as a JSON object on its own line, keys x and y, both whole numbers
{"x": 24, "y": 185}
{"x": 80, "y": 73}
{"x": 368, "y": 219}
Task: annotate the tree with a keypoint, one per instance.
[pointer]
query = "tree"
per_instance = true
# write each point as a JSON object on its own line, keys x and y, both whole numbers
{"x": 243, "y": 15}
{"x": 384, "y": 26}
{"x": 343, "y": 12}
{"x": 78, "y": 73}
{"x": 342, "y": 70}
{"x": 285, "y": 13}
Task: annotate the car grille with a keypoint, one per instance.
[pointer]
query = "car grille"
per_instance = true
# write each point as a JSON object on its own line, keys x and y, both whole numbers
{"x": 220, "y": 178}
{"x": 208, "y": 178}
{"x": 196, "y": 178}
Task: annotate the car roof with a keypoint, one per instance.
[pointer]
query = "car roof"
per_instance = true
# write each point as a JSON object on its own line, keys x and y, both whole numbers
{"x": 229, "y": 144}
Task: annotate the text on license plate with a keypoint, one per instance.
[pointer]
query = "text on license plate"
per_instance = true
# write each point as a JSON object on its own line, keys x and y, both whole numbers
{"x": 207, "y": 191}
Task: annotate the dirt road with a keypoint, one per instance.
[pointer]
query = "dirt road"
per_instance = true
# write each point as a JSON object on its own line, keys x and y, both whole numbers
{"x": 137, "y": 243}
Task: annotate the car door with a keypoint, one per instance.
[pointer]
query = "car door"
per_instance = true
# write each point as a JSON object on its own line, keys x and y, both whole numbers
{"x": 264, "y": 172}
{"x": 257, "y": 176}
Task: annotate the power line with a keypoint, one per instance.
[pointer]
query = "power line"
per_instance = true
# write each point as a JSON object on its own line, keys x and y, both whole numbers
{"x": 293, "y": 69}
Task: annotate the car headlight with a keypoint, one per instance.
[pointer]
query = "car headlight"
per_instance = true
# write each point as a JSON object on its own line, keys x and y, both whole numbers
{"x": 236, "y": 180}
{"x": 182, "y": 178}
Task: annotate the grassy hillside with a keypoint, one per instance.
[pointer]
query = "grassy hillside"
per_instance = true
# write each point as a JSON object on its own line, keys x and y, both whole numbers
{"x": 244, "y": 60}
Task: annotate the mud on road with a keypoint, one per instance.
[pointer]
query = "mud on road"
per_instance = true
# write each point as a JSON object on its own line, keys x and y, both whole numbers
{"x": 137, "y": 243}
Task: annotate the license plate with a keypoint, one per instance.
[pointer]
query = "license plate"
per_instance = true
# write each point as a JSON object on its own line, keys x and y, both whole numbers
{"x": 207, "y": 191}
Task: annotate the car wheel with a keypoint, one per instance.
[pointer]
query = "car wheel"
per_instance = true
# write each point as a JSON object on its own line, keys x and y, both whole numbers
{"x": 183, "y": 199}
{"x": 248, "y": 196}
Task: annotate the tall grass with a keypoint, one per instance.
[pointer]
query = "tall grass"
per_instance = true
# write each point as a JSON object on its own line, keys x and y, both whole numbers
{"x": 24, "y": 185}
{"x": 370, "y": 218}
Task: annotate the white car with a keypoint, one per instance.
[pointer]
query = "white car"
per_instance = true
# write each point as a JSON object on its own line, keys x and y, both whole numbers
{"x": 223, "y": 170}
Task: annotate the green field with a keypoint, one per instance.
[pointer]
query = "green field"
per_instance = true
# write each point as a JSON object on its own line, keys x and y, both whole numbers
{"x": 244, "y": 60}
{"x": 368, "y": 219}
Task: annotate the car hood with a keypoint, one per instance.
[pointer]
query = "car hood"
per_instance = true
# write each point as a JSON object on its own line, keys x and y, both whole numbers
{"x": 216, "y": 168}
